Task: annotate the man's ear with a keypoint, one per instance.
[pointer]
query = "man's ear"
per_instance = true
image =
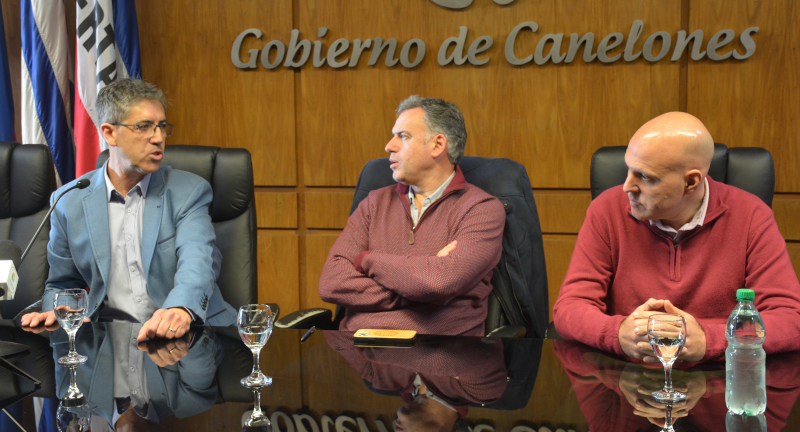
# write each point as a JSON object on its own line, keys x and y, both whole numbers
{"x": 438, "y": 146}
{"x": 694, "y": 180}
{"x": 109, "y": 134}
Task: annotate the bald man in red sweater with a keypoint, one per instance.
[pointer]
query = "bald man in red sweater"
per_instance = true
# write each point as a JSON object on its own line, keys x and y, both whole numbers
{"x": 671, "y": 239}
{"x": 419, "y": 255}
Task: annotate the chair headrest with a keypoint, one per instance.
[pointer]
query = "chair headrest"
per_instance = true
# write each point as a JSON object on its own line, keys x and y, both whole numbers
{"x": 27, "y": 179}
{"x": 221, "y": 167}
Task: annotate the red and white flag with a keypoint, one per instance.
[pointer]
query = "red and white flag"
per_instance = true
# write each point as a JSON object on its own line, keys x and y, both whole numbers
{"x": 107, "y": 49}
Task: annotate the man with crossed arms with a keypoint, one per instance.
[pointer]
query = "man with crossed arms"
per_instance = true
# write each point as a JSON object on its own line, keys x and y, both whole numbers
{"x": 419, "y": 255}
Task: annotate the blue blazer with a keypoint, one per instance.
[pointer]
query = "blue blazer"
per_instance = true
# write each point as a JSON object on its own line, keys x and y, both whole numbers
{"x": 184, "y": 389}
{"x": 181, "y": 263}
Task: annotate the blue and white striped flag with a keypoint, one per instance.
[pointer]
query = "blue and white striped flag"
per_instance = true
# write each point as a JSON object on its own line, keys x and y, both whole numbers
{"x": 46, "y": 100}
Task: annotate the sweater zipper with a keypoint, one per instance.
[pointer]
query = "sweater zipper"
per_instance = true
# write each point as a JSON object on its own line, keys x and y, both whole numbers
{"x": 675, "y": 245}
{"x": 408, "y": 214}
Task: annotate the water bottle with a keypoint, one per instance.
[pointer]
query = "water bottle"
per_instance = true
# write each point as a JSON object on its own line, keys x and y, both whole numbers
{"x": 745, "y": 423}
{"x": 745, "y": 384}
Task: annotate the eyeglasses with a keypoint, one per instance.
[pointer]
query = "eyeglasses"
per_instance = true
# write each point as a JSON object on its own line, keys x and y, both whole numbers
{"x": 149, "y": 129}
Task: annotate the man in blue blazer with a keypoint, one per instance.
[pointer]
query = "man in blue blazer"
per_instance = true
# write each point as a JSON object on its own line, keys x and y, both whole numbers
{"x": 140, "y": 236}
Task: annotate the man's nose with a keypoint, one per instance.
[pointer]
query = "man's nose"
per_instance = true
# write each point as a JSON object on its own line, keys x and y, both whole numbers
{"x": 159, "y": 135}
{"x": 629, "y": 185}
{"x": 390, "y": 146}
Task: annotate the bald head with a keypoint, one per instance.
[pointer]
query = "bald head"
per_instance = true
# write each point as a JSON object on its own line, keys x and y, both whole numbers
{"x": 668, "y": 159}
{"x": 679, "y": 140}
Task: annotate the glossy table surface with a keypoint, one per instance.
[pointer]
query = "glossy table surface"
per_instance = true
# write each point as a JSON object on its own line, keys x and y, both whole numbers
{"x": 327, "y": 384}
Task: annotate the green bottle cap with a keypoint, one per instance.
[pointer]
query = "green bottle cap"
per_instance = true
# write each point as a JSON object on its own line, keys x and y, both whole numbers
{"x": 745, "y": 294}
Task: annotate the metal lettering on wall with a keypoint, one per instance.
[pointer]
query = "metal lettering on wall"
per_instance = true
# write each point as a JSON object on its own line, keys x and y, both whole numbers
{"x": 550, "y": 48}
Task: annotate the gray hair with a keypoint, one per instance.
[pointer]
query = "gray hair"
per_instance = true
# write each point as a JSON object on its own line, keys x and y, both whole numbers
{"x": 115, "y": 100}
{"x": 442, "y": 117}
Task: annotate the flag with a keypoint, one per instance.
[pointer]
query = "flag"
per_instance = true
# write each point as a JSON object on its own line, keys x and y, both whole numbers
{"x": 107, "y": 49}
{"x": 6, "y": 98}
{"x": 46, "y": 100}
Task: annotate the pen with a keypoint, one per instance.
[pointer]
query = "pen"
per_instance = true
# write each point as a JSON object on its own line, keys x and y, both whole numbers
{"x": 308, "y": 334}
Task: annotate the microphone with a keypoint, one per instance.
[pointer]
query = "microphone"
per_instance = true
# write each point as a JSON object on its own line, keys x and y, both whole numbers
{"x": 10, "y": 255}
{"x": 81, "y": 184}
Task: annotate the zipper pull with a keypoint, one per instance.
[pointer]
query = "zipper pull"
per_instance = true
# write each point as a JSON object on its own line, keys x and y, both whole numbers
{"x": 411, "y": 238}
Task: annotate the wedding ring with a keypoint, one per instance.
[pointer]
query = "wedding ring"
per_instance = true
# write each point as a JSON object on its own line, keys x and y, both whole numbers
{"x": 173, "y": 349}
{"x": 171, "y": 329}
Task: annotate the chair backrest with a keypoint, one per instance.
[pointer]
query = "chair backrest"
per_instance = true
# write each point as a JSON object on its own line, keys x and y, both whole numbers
{"x": 519, "y": 295}
{"x": 27, "y": 178}
{"x": 233, "y": 213}
{"x": 748, "y": 168}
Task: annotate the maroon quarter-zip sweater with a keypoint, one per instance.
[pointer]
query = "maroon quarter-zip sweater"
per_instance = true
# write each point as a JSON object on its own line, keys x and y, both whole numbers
{"x": 620, "y": 262}
{"x": 388, "y": 277}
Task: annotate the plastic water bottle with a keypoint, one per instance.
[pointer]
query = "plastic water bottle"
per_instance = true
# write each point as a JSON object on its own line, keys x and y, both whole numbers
{"x": 745, "y": 384}
{"x": 745, "y": 423}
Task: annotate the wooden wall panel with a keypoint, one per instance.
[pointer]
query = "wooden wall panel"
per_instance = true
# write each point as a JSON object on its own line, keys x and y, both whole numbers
{"x": 278, "y": 269}
{"x": 752, "y": 102}
{"x": 186, "y": 52}
{"x": 276, "y": 209}
{"x": 794, "y": 255}
{"x": 317, "y": 247}
{"x": 12, "y": 27}
{"x": 562, "y": 212}
{"x": 787, "y": 209}
{"x": 550, "y": 118}
{"x": 557, "y": 253}
{"x": 327, "y": 210}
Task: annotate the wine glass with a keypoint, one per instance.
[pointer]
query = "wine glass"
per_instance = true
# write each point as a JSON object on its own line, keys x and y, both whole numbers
{"x": 73, "y": 397}
{"x": 258, "y": 421}
{"x": 667, "y": 335}
{"x": 255, "y": 327}
{"x": 73, "y": 418}
{"x": 70, "y": 309}
{"x": 668, "y": 417}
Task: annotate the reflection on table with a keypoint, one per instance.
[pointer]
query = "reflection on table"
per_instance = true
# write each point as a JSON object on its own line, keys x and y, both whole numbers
{"x": 327, "y": 384}
{"x": 615, "y": 394}
{"x": 140, "y": 385}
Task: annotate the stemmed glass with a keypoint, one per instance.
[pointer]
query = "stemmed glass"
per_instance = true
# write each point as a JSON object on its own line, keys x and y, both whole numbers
{"x": 258, "y": 421}
{"x": 73, "y": 397}
{"x": 668, "y": 417}
{"x": 667, "y": 335}
{"x": 73, "y": 417}
{"x": 255, "y": 327}
{"x": 70, "y": 309}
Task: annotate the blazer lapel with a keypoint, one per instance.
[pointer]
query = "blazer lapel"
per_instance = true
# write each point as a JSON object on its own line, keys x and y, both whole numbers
{"x": 151, "y": 222}
{"x": 95, "y": 209}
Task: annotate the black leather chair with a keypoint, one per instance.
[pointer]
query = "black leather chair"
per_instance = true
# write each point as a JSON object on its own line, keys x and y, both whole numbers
{"x": 748, "y": 168}
{"x": 518, "y": 303}
{"x": 27, "y": 178}
{"x": 233, "y": 213}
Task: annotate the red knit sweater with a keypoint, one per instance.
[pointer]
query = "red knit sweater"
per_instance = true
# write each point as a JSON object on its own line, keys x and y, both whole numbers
{"x": 406, "y": 286}
{"x": 620, "y": 262}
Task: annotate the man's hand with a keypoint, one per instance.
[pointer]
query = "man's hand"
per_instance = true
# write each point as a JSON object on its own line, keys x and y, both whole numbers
{"x": 169, "y": 323}
{"x": 695, "y": 347}
{"x": 447, "y": 249}
{"x": 37, "y": 322}
{"x": 167, "y": 352}
{"x": 633, "y": 331}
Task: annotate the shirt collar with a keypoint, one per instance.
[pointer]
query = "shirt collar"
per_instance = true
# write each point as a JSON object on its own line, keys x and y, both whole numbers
{"x": 697, "y": 220}
{"x": 428, "y": 393}
{"x": 143, "y": 184}
{"x": 436, "y": 194}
